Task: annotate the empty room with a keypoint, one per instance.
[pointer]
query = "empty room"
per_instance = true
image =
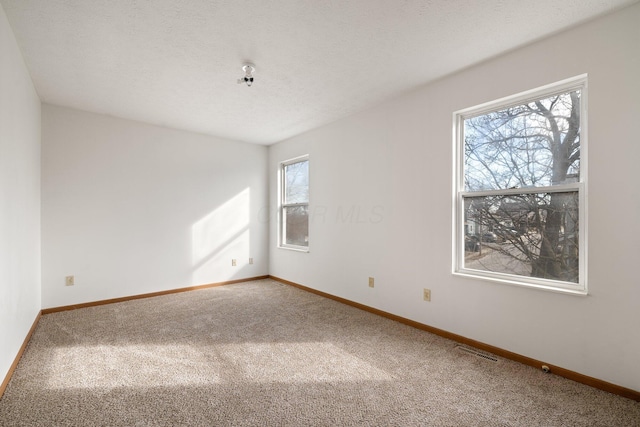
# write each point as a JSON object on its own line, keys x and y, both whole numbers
{"x": 319, "y": 213}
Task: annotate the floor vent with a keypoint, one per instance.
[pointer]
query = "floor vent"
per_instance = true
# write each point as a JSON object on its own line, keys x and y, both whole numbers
{"x": 478, "y": 353}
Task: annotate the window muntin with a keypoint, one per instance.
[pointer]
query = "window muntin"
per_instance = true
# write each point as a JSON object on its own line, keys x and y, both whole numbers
{"x": 294, "y": 204}
{"x": 520, "y": 191}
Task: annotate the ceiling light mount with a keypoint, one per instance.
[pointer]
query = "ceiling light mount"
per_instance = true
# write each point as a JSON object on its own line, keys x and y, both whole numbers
{"x": 248, "y": 69}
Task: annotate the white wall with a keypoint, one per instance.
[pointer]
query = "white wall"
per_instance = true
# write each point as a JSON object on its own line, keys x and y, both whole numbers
{"x": 381, "y": 204}
{"x": 130, "y": 208}
{"x": 19, "y": 199}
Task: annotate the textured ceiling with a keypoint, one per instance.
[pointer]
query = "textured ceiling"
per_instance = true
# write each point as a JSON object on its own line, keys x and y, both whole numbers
{"x": 176, "y": 62}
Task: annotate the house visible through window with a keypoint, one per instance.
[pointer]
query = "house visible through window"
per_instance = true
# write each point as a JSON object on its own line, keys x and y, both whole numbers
{"x": 520, "y": 189}
{"x": 294, "y": 203}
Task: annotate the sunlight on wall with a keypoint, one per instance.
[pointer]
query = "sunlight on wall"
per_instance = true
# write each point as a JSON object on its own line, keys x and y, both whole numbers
{"x": 217, "y": 266}
{"x": 219, "y": 237}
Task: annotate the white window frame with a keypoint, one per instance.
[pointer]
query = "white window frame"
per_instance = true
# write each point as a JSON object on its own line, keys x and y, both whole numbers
{"x": 568, "y": 85}
{"x": 282, "y": 205}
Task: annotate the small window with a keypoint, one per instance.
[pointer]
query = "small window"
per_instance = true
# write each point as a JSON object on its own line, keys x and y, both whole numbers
{"x": 294, "y": 204}
{"x": 520, "y": 189}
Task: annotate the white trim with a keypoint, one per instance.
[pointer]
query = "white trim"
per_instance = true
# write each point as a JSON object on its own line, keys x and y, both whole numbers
{"x": 294, "y": 160}
{"x": 584, "y": 193}
{"x": 564, "y": 188}
{"x": 512, "y": 279}
{"x": 294, "y": 248}
{"x": 458, "y": 245}
{"x": 567, "y": 85}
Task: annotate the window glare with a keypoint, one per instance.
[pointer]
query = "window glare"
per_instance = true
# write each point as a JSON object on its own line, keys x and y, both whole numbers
{"x": 297, "y": 225}
{"x": 294, "y": 204}
{"x": 297, "y": 182}
{"x": 514, "y": 147}
{"x": 514, "y": 235}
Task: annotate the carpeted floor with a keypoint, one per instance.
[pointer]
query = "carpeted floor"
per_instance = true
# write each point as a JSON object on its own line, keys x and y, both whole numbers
{"x": 267, "y": 354}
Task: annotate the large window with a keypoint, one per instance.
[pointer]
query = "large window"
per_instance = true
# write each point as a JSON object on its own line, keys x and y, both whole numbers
{"x": 520, "y": 189}
{"x": 294, "y": 203}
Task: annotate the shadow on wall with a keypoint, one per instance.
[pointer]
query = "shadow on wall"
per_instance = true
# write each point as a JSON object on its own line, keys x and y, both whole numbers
{"x": 222, "y": 235}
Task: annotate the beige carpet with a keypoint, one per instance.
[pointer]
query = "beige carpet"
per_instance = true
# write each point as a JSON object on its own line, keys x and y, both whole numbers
{"x": 267, "y": 354}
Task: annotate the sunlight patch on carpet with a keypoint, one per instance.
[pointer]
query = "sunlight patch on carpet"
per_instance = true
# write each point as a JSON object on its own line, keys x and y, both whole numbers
{"x": 141, "y": 365}
{"x": 307, "y": 362}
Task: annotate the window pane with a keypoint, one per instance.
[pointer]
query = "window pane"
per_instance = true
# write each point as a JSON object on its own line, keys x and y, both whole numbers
{"x": 296, "y": 225}
{"x": 533, "y": 235}
{"x": 296, "y": 182}
{"x": 535, "y": 144}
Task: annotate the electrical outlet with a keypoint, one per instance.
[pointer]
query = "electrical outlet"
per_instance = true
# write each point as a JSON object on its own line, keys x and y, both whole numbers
{"x": 69, "y": 281}
{"x": 371, "y": 282}
{"x": 250, "y": 260}
{"x": 233, "y": 263}
{"x": 426, "y": 294}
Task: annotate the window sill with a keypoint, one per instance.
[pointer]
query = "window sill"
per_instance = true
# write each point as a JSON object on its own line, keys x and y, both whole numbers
{"x": 294, "y": 248}
{"x": 542, "y": 285}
